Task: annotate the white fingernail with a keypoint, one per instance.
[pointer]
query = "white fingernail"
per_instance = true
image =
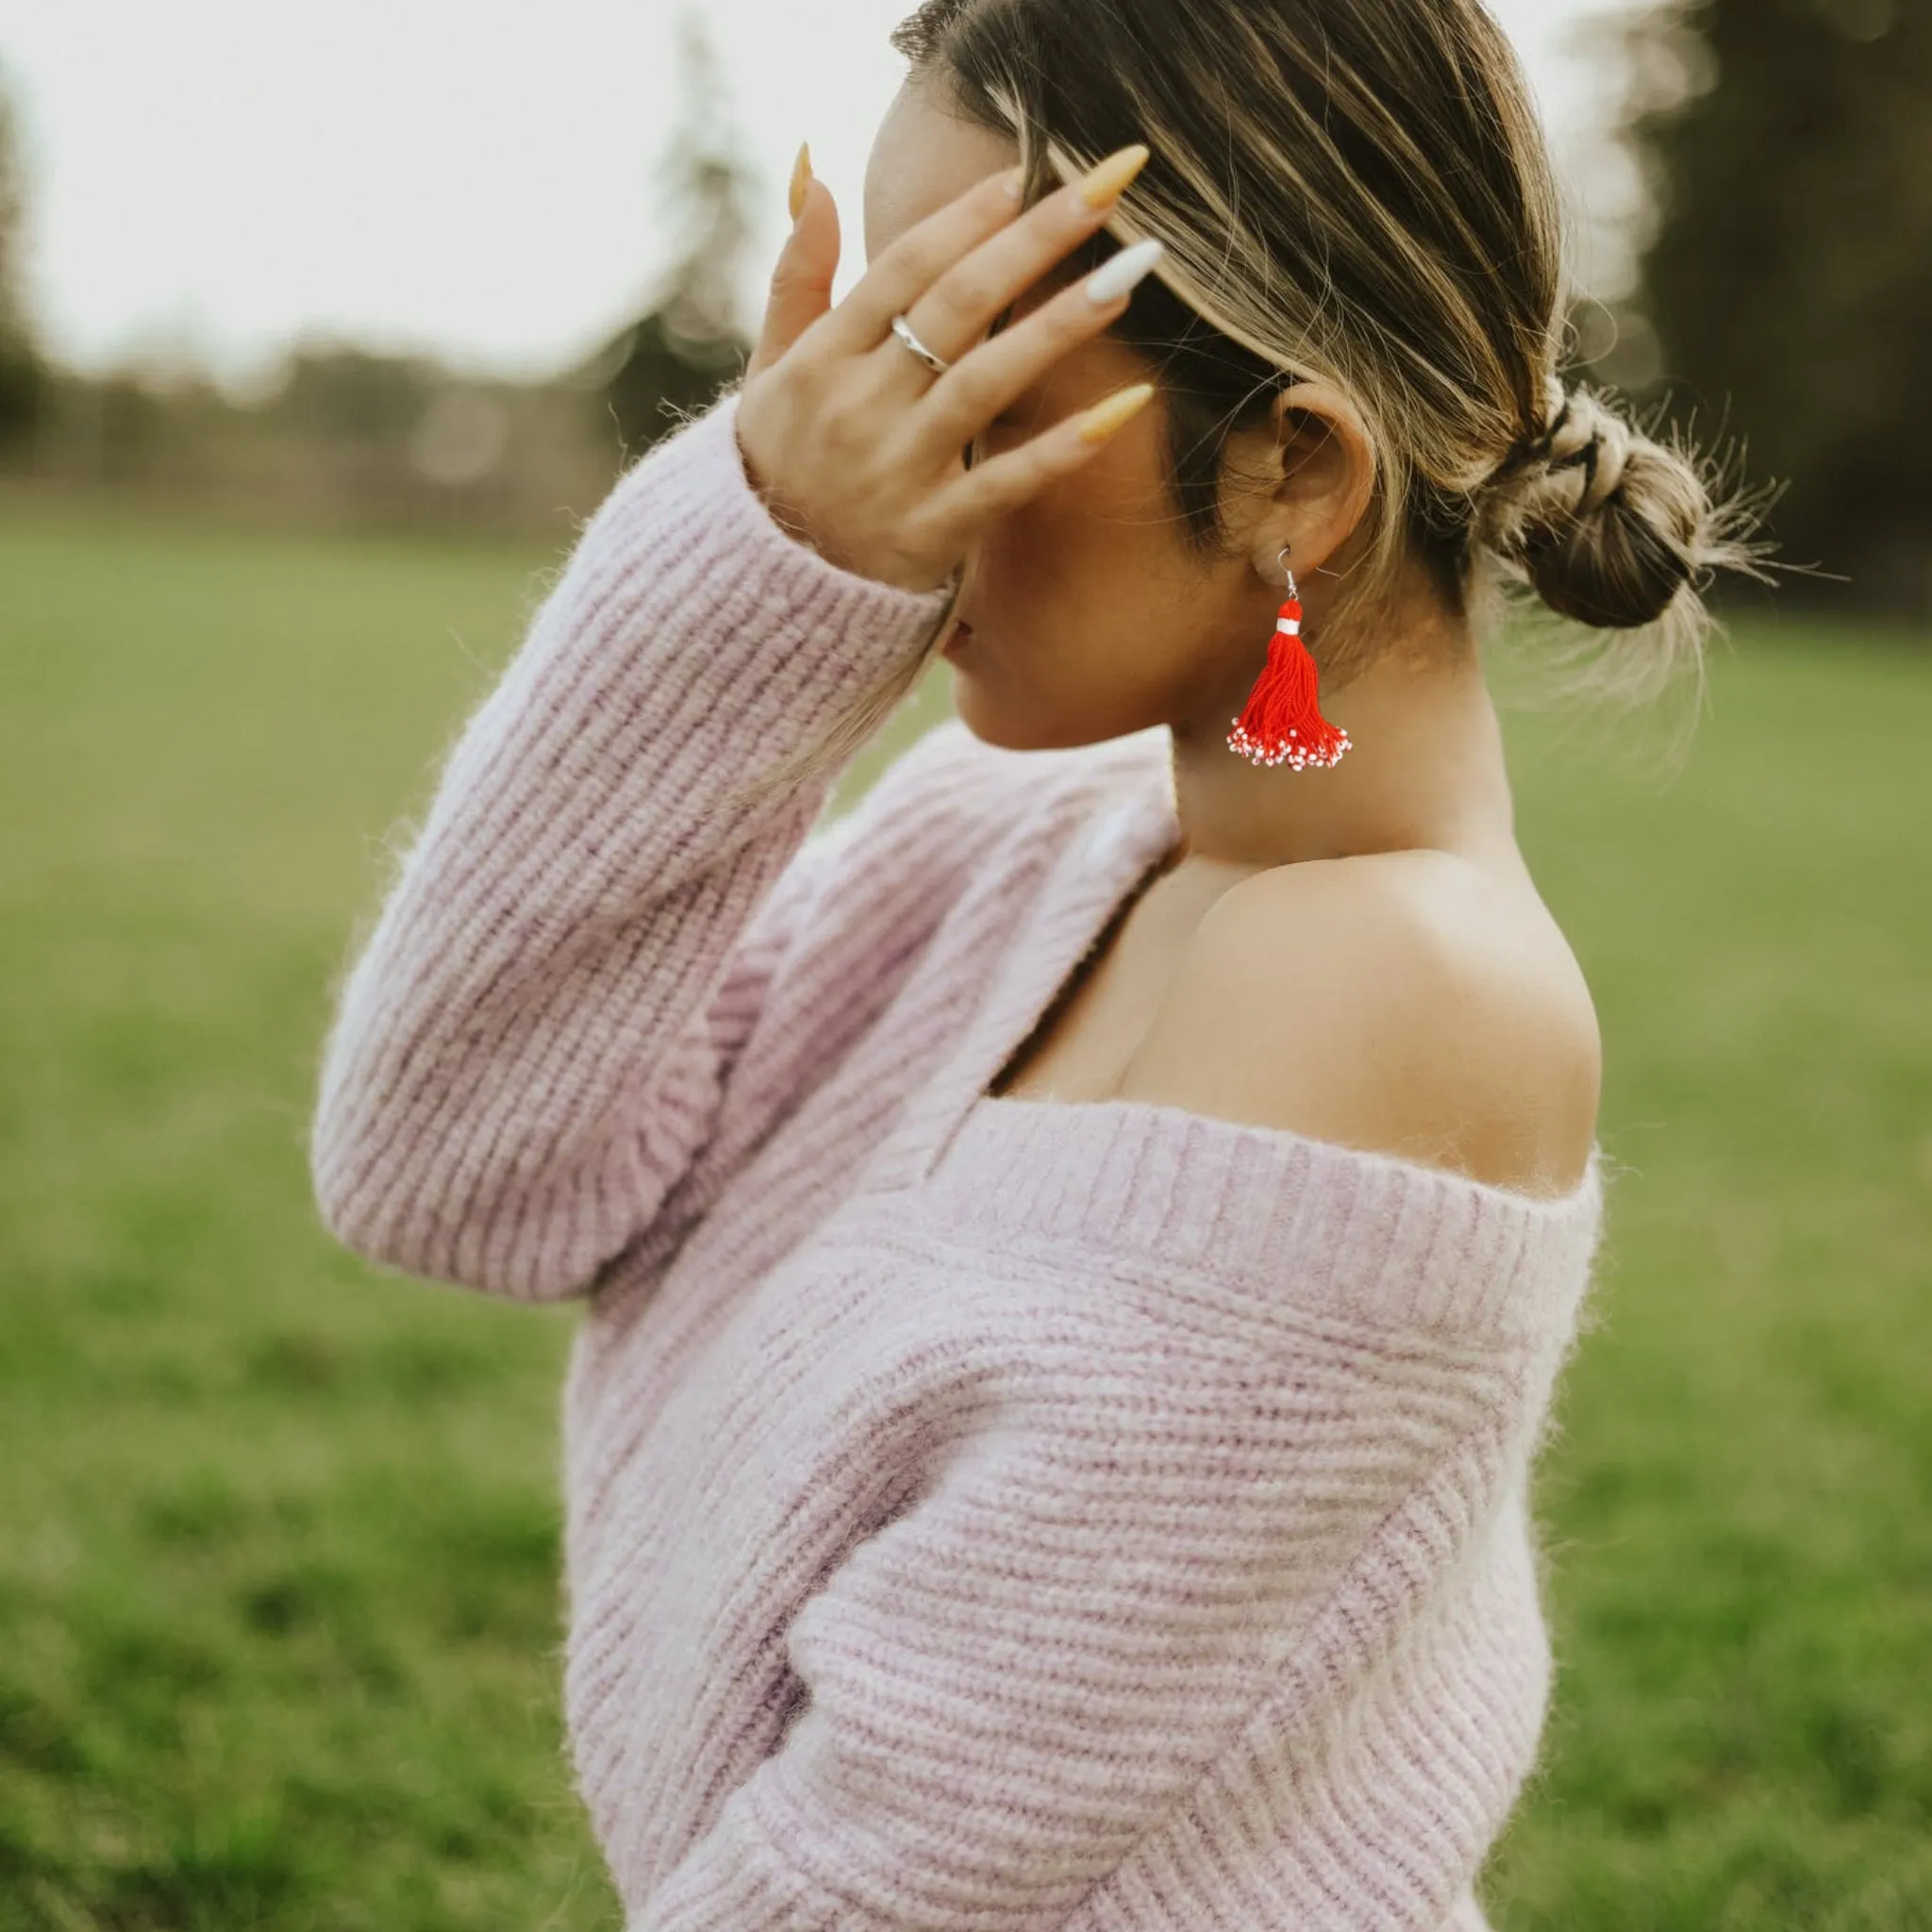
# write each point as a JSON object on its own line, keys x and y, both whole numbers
{"x": 1119, "y": 273}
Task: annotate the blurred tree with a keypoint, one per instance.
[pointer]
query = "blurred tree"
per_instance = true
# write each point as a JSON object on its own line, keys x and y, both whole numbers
{"x": 1788, "y": 147}
{"x": 340, "y": 391}
{"x": 24, "y": 374}
{"x": 688, "y": 343}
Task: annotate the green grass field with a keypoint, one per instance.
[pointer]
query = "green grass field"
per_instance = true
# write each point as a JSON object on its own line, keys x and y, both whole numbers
{"x": 278, "y": 1547}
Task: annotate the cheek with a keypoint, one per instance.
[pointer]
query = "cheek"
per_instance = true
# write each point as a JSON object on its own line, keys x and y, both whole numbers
{"x": 1081, "y": 617}
{"x": 1088, "y": 541}
{"x": 1050, "y": 602}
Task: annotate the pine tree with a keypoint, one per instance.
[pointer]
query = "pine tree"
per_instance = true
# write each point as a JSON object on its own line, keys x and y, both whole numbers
{"x": 24, "y": 375}
{"x": 1789, "y": 280}
{"x": 688, "y": 343}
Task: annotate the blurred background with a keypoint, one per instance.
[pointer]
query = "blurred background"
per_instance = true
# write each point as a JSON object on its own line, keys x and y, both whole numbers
{"x": 321, "y": 328}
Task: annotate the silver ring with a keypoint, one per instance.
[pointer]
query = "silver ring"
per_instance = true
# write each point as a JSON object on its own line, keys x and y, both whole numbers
{"x": 937, "y": 364}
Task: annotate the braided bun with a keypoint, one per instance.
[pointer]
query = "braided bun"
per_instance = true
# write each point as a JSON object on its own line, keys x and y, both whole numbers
{"x": 1607, "y": 525}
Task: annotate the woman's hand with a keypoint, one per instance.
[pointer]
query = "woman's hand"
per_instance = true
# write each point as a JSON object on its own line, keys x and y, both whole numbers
{"x": 856, "y": 447}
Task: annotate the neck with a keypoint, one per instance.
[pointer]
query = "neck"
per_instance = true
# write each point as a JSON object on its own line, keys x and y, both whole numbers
{"x": 1424, "y": 769}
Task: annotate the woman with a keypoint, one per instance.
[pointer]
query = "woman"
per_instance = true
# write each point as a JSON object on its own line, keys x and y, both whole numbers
{"x": 1078, "y": 1252}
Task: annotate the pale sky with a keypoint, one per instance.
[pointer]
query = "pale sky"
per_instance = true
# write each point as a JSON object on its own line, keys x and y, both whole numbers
{"x": 473, "y": 177}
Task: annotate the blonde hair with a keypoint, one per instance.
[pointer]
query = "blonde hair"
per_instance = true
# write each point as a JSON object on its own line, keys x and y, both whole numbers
{"x": 1359, "y": 194}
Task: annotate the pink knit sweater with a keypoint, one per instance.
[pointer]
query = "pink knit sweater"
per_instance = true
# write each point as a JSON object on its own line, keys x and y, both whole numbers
{"x": 983, "y": 1515}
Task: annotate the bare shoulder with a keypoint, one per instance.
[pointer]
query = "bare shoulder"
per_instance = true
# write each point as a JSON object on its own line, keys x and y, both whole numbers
{"x": 1406, "y": 1003}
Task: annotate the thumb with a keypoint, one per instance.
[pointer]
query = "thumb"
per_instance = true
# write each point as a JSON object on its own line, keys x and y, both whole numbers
{"x": 802, "y": 281}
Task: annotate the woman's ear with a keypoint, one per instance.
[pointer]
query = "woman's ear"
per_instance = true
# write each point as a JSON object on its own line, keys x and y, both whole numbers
{"x": 1315, "y": 478}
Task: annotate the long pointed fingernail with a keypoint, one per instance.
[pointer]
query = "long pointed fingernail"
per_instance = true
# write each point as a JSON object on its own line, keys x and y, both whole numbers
{"x": 1119, "y": 273}
{"x": 801, "y": 174}
{"x": 1107, "y": 179}
{"x": 1102, "y": 419}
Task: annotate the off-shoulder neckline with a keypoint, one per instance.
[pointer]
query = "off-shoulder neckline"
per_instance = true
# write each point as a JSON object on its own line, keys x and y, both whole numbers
{"x": 1155, "y": 1183}
{"x": 1072, "y": 1113}
{"x": 1222, "y": 1221}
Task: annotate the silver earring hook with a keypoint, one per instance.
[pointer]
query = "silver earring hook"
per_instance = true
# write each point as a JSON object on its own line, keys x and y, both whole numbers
{"x": 1321, "y": 570}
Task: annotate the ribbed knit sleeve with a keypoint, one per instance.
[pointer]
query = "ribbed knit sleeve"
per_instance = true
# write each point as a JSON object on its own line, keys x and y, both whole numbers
{"x": 529, "y": 1048}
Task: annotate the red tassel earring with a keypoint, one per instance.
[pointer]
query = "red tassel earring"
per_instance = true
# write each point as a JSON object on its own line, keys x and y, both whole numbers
{"x": 1280, "y": 723}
